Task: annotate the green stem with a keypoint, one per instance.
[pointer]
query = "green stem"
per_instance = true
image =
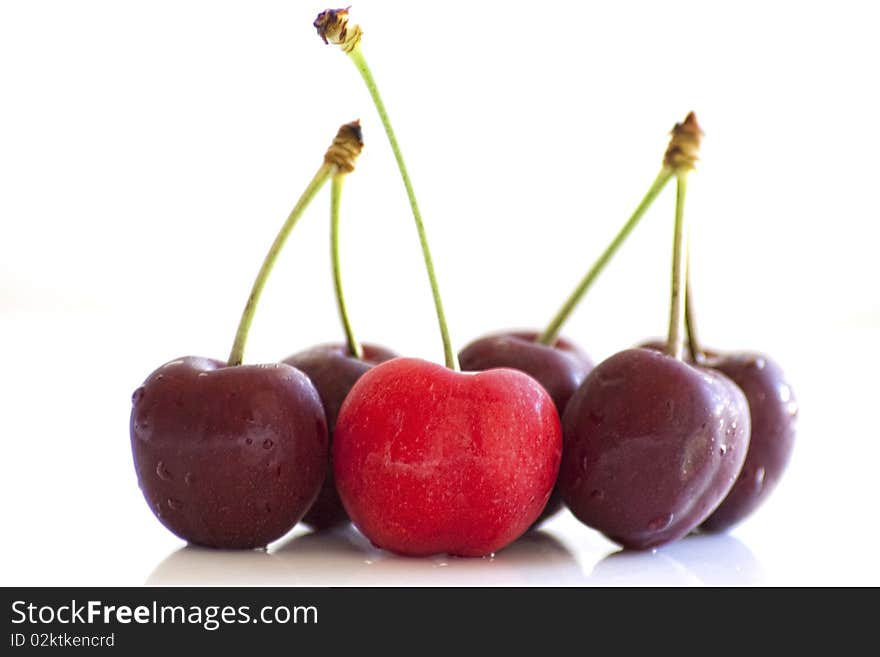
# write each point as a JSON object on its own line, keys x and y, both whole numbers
{"x": 360, "y": 62}
{"x": 551, "y": 333}
{"x": 675, "y": 342}
{"x": 237, "y": 354}
{"x": 689, "y": 319}
{"x": 354, "y": 348}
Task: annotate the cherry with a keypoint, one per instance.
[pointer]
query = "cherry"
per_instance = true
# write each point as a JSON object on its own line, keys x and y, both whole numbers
{"x": 333, "y": 371}
{"x": 560, "y": 368}
{"x": 652, "y": 443}
{"x": 230, "y": 455}
{"x": 428, "y": 460}
{"x": 773, "y": 413}
{"x": 436, "y": 451}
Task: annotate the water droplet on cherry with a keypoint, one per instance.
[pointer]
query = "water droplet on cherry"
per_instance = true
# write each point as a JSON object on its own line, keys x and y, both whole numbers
{"x": 784, "y": 393}
{"x": 137, "y": 395}
{"x": 142, "y": 428}
{"x": 660, "y": 522}
{"x": 174, "y": 505}
{"x": 268, "y": 444}
{"x": 162, "y": 472}
{"x": 188, "y": 479}
{"x": 759, "y": 478}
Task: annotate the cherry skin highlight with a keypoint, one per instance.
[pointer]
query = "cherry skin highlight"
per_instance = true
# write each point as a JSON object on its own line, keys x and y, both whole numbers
{"x": 333, "y": 371}
{"x": 430, "y": 461}
{"x": 228, "y": 457}
{"x": 652, "y": 446}
{"x": 773, "y": 417}
{"x": 560, "y": 368}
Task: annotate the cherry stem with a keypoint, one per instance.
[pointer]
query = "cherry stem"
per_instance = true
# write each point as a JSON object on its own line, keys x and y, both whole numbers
{"x": 551, "y": 333}
{"x": 689, "y": 319}
{"x": 675, "y": 342}
{"x": 244, "y": 325}
{"x": 338, "y": 159}
{"x": 354, "y": 347}
{"x": 333, "y": 27}
{"x": 360, "y": 63}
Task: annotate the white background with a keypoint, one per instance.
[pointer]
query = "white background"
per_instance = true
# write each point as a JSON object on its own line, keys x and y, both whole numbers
{"x": 149, "y": 151}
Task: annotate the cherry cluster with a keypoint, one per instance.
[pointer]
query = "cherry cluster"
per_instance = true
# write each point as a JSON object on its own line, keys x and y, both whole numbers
{"x": 647, "y": 446}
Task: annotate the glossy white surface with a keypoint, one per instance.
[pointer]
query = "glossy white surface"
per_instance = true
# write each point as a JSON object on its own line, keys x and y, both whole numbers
{"x": 151, "y": 150}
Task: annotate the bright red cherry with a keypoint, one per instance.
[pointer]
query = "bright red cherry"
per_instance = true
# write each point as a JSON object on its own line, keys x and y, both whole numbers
{"x": 428, "y": 460}
{"x": 560, "y": 368}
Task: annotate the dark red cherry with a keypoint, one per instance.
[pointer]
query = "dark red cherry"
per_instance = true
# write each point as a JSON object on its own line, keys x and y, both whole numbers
{"x": 333, "y": 371}
{"x": 659, "y": 344}
{"x": 773, "y": 413}
{"x": 228, "y": 457}
{"x": 559, "y": 368}
{"x": 773, "y": 417}
{"x": 651, "y": 447}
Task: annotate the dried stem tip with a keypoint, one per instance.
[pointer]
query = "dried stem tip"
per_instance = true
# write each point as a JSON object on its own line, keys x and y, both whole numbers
{"x": 346, "y": 146}
{"x": 684, "y": 145}
{"x": 333, "y": 27}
